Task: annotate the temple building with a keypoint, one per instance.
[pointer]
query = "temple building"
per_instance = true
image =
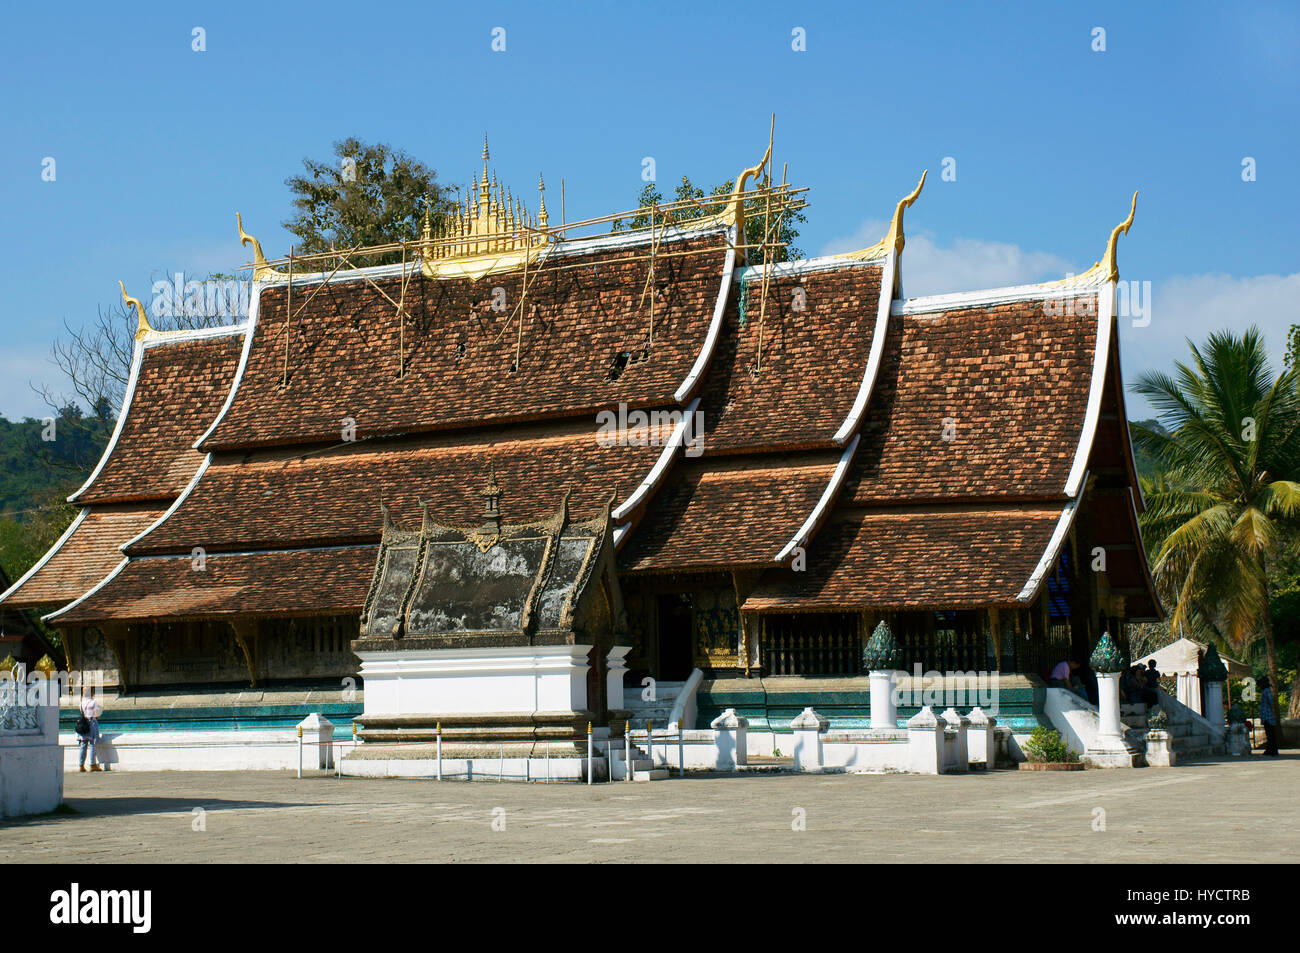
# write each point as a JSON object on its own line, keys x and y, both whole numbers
{"x": 657, "y": 450}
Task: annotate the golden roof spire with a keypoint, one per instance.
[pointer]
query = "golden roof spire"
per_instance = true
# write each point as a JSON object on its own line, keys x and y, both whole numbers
{"x": 142, "y": 327}
{"x": 542, "y": 217}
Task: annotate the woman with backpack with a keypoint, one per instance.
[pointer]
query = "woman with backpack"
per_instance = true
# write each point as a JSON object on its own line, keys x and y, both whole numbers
{"x": 87, "y": 728}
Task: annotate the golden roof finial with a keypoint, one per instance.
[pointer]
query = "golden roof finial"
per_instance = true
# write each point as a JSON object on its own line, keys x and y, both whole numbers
{"x": 261, "y": 270}
{"x": 1112, "y": 246}
{"x": 542, "y": 217}
{"x": 893, "y": 240}
{"x": 143, "y": 327}
{"x": 1108, "y": 268}
{"x": 486, "y": 154}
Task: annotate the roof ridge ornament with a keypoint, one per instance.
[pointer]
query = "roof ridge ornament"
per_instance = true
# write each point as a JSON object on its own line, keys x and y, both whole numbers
{"x": 261, "y": 270}
{"x": 1106, "y": 270}
{"x": 143, "y": 328}
{"x": 894, "y": 238}
{"x": 481, "y": 237}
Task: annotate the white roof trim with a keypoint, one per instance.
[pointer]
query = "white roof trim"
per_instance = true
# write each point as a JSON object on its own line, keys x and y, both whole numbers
{"x": 1049, "y": 555}
{"x": 828, "y": 496}
{"x": 152, "y": 339}
{"x": 48, "y": 555}
{"x": 805, "y": 265}
{"x": 715, "y": 327}
{"x": 88, "y": 593}
{"x": 661, "y": 466}
{"x": 970, "y": 299}
{"x": 136, "y": 359}
{"x": 1123, "y": 420}
{"x": 185, "y": 494}
{"x": 255, "y": 298}
{"x": 883, "y": 310}
{"x": 1106, "y": 305}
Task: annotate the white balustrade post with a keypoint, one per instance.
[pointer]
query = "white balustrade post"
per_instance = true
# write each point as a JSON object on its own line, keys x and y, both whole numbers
{"x": 983, "y": 740}
{"x": 959, "y": 723}
{"x": 925, "y": 741}
{"x": 808, "y": 728}
{"x": 729, "y": 740}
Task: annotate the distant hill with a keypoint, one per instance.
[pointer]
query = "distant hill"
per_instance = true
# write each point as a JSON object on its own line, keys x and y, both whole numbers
{"x": 36, "y": 476}
{"x": 1146, "y": 464}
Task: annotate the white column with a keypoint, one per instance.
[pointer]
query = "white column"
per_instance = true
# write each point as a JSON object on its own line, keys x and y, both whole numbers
{"x": 730, "y": 739}
{"x": 1214, "y": 708}
{"x": 1109, "y": 727}
{"x": 884, "y": 713}
{"x": 615, "y": 669}
{"x": 925, "y": 741}
{"x": 808, "y": 727}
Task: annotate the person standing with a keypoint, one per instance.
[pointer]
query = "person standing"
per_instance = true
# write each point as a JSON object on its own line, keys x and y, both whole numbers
{"x": 1268, "y": 716}
{"x": 88, "y": 730}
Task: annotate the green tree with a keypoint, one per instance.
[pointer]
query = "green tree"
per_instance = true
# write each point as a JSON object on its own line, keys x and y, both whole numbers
{"x": 1228, "y": 493}
{"x": 1293, "y": 346}
{"x": 759, "y": 218}
{"x": 369, "y": 195}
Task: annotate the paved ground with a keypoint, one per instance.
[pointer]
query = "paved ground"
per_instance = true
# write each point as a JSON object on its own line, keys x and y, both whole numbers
{"x": 1212, "y": 812}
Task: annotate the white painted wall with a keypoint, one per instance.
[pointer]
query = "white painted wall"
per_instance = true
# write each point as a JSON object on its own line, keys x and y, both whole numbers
{"x": 31, "y": 767}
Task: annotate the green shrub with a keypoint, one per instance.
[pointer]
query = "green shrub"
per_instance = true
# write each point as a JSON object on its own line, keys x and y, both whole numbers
{"x": 1046, "y": 746}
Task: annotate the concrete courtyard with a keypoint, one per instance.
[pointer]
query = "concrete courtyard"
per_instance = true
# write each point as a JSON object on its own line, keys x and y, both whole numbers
{"x": 1217, "y": 812}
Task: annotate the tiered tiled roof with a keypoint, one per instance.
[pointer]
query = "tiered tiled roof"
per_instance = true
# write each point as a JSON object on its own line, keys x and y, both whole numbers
{"x": 927, "y": 453}
{"x": 585, "y": 344}
{"x": 178, "y": 382}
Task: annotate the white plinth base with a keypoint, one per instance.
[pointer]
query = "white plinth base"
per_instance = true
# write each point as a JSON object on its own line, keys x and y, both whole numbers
{"x": 523, "y": 679}
{"x": 31, "y": 767}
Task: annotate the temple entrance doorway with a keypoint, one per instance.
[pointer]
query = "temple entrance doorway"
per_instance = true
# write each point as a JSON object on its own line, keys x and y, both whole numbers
{"x": 676, "y": 643}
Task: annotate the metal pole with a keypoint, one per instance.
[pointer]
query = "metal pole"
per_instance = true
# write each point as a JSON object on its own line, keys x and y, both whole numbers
{"x": 589, "y": 761}
{"x": 439, "y": 735}
{"x": 300, "y": 751}
{"x": 501, "y": 762}
{"x": 650, "y": 743}
{"x": 609, "y": 756}
{"x": 681, "y": 752}
{"x": 627, "y": 750}
{"x": 548, "y": 761}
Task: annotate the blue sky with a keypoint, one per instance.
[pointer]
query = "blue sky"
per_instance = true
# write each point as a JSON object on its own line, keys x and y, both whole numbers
{"x": 157, "y": 146}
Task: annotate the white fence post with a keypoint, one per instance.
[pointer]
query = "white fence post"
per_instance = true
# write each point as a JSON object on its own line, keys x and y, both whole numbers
{"x": 300, "y": 751}
{"x": 590, "y": 763}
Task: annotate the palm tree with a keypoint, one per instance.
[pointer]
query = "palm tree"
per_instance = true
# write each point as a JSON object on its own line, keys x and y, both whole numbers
{"x": 1231, "y": 459}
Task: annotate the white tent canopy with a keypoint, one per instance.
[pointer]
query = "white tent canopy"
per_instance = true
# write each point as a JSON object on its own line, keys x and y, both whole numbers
{"x": 1179, "y": 658}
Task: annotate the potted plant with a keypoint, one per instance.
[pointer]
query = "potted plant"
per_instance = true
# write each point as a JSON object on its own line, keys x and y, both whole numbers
{"x": 1047, "y": 751}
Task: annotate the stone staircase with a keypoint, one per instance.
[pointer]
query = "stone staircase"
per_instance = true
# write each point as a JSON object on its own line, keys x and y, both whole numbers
{"x": 657, "y": 710}
{"x": 1189, "y": 738}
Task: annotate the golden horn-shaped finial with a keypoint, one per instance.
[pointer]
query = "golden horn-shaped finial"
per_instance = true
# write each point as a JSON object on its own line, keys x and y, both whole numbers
{"x": 734, "y": 212}
{"x": 893, "y": 240}
{"x": 1112, "y": 246}
{"x": 542, "y": 217}
{"x": 486, "y": 154}
{"x": 261, "y": 270}
{"x": 142, "y": 327}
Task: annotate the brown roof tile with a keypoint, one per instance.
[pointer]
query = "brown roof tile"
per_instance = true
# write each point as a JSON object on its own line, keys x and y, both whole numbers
{"x": 1013, "y": 380}
{"x": 813, "y": 360}
{"x": 85, "y": 557}
{"x": 180, "y": 387}
{"x": 898, "y": 559}
{"x": 280, "y": 499}
{"x": 727, "y": 514}
{"x": 343, "y": 359}
{"x": 296, "y": 582}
